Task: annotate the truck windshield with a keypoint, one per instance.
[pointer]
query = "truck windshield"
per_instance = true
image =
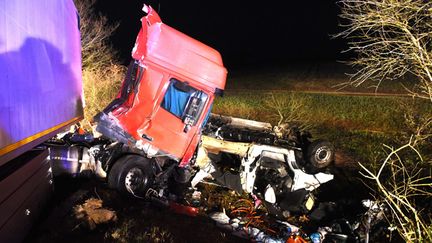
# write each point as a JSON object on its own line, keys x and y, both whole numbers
{"x": 177, "y": 96}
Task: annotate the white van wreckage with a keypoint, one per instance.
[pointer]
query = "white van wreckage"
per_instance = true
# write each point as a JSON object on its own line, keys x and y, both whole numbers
{"x": 280, "y": 175}
{"x": 279, "y": 165}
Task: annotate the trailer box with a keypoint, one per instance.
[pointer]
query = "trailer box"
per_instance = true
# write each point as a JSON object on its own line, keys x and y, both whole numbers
{"x": 40, "y": 95}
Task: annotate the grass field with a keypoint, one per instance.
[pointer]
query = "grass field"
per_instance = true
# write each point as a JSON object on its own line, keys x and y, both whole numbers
{"x": 308, "y": 77}
{"x": 368, "y": 113}
{"x": 357, "y": 124}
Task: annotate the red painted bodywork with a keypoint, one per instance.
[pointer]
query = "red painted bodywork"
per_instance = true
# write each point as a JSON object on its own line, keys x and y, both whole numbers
{"x": 166, "y": 53}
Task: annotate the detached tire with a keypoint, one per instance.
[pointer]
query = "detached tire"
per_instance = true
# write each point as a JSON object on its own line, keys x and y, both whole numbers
{"x": 131, "y": 175}
{"x": 319, "y": 155}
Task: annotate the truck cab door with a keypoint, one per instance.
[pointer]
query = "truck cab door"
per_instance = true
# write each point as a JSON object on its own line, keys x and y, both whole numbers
{"x": 175, "y": 121}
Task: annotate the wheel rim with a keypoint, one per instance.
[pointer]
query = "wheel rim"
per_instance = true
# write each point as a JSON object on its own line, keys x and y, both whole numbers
{"x": 135, "y": 180}
{"x": 322, "y": 155}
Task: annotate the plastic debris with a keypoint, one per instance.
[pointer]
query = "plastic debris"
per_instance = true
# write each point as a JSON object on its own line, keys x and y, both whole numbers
{"x": 296, "y": 239}
{"x": 238, "y": 229}
{"x": 290, "y": 229}
{"x": 183, "y": 209}
{"x": 315, "y": 237}
{"x": 196, "y": 198}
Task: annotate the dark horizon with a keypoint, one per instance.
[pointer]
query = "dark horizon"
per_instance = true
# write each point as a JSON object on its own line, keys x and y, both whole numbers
{"x": 246, "y": 35}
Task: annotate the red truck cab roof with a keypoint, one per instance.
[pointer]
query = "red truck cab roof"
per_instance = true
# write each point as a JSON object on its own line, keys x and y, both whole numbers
{"x": 159, "y": 44}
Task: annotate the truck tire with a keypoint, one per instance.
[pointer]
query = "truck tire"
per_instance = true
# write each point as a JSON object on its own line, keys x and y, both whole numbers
{"x": 131, "y": 175}
{"x": 319, "y": 155}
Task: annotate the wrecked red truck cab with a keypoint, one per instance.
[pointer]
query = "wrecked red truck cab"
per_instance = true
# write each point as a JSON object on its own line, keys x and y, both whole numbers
{"x": 167, "y": 93}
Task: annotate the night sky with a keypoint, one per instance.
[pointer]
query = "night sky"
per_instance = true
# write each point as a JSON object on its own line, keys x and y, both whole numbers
{"x": 247, "y": 34}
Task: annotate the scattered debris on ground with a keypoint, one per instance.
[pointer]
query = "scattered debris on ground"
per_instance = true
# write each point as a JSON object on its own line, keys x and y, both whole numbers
{"x": 154, "y": 234}
{"x": 91, "y": 213}
{"x": 256, "y": 182}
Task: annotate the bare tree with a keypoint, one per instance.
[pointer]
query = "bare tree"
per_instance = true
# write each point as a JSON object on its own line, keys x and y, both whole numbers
{"x": 101, "y": 75}
{"x": 401, "y": 190}
{"x": 393, "y": 38}
{"x": 289, "y": 109}
{"x": 95, "y": 32}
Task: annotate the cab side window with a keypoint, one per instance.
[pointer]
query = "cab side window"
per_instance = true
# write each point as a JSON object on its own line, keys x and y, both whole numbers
{"x": 184, "y": 101}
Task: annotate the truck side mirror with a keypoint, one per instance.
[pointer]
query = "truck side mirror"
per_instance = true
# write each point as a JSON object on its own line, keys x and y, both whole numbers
{"x": 192, "y": 111}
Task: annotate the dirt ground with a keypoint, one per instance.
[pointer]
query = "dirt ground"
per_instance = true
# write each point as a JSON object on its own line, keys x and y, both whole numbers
{"x": 137, "y": 220}
{"x": 140, "y": 221}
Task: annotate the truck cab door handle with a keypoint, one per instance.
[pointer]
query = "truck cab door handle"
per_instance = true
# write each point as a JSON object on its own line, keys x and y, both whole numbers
{"x": 147, "y": 137}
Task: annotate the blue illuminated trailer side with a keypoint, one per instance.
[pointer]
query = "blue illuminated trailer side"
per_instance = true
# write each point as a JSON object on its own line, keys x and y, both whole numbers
{"x": 40, "y": 95}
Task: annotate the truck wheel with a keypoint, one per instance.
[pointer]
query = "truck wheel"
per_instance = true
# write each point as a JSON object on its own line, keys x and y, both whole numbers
{"x": 131, "y": 175}
{"x": 319, "y": 154}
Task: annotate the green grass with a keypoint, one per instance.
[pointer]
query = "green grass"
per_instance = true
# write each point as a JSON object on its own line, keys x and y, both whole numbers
{"x": 376, "y": 114}
{"x": 358, "y": 125}
{"x": 101, "y": 84}
{"x": 308, "y": 77}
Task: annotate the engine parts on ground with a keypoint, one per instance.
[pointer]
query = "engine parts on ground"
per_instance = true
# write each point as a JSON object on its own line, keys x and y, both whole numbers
{"x": 367, "y": 225}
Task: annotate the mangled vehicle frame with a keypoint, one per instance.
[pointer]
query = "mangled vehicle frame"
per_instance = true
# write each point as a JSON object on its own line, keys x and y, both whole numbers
{"x": 160, "y": 127}
{"x": 283, "y": 175}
